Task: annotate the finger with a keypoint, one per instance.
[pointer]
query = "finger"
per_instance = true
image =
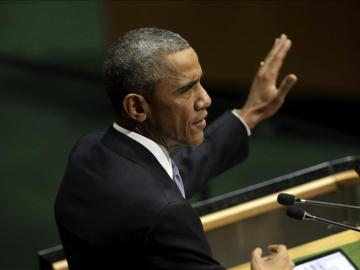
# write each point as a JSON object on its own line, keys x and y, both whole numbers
{"x": 285, "y": 86}
{"x": 277, "y": 248}
{"x": 277, "y": 60}
{"x": 270, "y": 68}
{"x": 273, "y": 248}
{"x": 272, "y": 50}
{"x": 256, "y": 254}
{"x": 256, "y": 259}
{"x": 277, "y": 44}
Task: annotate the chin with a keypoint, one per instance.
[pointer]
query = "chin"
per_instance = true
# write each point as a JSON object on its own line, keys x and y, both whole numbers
{"x": 189, "y": 140}
{"x": 197, "y": 141}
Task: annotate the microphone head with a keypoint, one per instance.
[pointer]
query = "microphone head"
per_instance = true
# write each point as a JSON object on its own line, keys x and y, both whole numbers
{"x": 296, "y": 213}
{"x": 286, "y": 199}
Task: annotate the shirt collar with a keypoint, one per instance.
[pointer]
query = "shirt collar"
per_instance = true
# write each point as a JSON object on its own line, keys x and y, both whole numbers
{"x": 159, "y": 151}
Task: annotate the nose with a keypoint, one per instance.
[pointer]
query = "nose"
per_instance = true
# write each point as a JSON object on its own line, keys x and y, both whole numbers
{"x": 203, "y": 100}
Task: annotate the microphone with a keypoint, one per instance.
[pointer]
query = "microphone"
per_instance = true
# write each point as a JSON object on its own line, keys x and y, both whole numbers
{"x": 300, "y": 214}
{"x": 288, "y": 199}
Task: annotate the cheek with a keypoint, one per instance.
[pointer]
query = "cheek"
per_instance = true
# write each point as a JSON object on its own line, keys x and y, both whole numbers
{"x": 172, "y": 121}
{"x": 175, "y": 120}
{"x": 178, "y": 122}
{"x": 186, "y": 124}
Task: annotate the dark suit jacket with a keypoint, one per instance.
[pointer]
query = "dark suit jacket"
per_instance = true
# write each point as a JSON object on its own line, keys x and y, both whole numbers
{"x": 117, "y": 208}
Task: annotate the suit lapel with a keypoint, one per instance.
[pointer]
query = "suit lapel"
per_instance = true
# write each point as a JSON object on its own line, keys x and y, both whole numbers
{"x": 131, "y": 149}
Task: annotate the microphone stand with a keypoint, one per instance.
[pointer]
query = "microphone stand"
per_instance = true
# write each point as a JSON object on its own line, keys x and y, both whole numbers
{"x": 328, "y": 204}
{"x": 323, "y": 220}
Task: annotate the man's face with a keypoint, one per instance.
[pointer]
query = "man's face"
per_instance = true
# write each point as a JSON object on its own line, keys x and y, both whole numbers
{"x": 178, "y": 103}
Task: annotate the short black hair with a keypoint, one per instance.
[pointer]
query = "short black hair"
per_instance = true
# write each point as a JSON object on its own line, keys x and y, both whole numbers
{"x": 134, "y": 62}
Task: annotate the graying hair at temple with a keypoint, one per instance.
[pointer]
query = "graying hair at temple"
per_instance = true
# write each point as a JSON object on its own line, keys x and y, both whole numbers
{"x": 134, "y": 62}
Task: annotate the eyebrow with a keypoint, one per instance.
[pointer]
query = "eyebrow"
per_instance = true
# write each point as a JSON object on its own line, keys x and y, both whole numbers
{"x": 191, "y": 83}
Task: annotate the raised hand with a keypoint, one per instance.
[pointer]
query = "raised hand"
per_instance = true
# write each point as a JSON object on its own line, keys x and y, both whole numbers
{"x": 265, "y": 97}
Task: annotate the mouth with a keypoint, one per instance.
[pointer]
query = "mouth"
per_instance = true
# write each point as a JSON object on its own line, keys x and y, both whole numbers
{"x": 201, "y": 122}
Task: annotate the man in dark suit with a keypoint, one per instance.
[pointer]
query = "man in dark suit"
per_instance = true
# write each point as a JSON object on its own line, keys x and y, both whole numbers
{"x": 122, "y": 202}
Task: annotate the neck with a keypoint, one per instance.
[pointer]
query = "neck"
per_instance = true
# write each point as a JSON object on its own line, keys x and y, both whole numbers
{"x": 145, "y": 131}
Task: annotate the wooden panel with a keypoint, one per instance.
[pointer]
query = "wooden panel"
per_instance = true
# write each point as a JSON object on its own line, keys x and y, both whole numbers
{"x": 268, "y": 203}
{"x": 232, "y": 37}
{"x": 60, "y": 265}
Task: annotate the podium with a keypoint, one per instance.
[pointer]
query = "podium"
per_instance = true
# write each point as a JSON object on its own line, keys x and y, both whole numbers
{"x": 234, "y": 231}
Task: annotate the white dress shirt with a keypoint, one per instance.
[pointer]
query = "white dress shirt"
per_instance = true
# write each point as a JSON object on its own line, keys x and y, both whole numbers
{"x": 248, "y": 130}
{"x": 159, "y": 151}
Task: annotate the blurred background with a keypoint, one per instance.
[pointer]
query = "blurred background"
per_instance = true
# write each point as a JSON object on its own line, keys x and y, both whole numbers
{"x": 51, "y": 92}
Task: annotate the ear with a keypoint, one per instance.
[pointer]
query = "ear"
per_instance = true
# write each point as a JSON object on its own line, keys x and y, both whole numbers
{"x": 135, "y": 107}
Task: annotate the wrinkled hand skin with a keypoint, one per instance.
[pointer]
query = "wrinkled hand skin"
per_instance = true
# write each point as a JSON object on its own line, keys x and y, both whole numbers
{"x": 265, "y": 98}
{"x": 278, "y": 260}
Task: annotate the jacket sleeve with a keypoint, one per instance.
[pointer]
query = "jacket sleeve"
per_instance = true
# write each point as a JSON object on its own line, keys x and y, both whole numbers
{"x": 176, "y": 241}
{"x": 225, "y": 145}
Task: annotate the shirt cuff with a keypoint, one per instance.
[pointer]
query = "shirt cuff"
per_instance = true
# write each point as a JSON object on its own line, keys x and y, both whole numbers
{"x": 242, "y": 121}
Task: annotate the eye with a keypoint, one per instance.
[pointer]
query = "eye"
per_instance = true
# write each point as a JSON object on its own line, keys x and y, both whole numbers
{"x": 188, "y": 87}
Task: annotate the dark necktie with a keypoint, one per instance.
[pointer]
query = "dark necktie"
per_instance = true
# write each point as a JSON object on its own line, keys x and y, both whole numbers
{"x": 177, "y": 178}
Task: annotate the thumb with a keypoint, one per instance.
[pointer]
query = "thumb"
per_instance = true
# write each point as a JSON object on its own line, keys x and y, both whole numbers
{"x": 256, "y": 254}
{"x": 286, "y": 84}
{"x": 256, "y": 258}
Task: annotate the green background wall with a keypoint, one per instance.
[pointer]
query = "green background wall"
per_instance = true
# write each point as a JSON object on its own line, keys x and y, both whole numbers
{"x": 51, "y": 94}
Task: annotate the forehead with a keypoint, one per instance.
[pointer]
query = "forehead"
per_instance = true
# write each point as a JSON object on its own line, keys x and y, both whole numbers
{"x": 183, "y": 66}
